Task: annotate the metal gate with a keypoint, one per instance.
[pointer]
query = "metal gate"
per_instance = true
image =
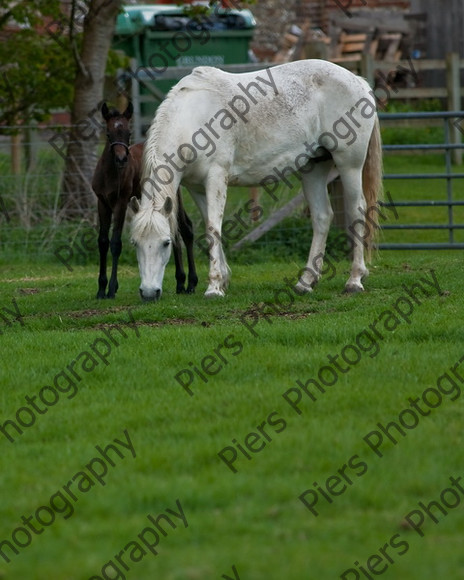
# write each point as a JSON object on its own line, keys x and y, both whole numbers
{"x": 453, "y": 123}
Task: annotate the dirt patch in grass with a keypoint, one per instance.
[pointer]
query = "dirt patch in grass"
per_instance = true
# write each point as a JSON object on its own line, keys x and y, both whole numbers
{"x": 142, "y": 323}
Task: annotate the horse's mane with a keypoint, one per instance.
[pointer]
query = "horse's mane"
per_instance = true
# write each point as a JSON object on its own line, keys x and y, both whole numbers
{"x": 147, "y": 220}
{"x": 203, "y": 78}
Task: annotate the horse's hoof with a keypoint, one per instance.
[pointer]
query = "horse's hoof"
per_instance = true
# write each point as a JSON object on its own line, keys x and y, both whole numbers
{"x": 354, "y": 288}
{"x": 180, "y": 290}
{"x": 301, "y": 288}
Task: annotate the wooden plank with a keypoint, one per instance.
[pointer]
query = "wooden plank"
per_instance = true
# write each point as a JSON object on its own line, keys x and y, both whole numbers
{"x": 353, "y": 47}
{"x": 453, "y": 82}
{"x": 392, "y": 49}
{"x": 344, "y": 37}
{"x": 272, "y": 221}
{"x": 350, "y": 62}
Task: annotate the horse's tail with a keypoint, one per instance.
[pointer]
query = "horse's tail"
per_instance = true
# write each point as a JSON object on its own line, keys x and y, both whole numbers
{"x": 372, "y": 183}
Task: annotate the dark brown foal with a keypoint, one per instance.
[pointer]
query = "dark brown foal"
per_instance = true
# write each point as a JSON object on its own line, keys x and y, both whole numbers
{"x": 115, "y": 181}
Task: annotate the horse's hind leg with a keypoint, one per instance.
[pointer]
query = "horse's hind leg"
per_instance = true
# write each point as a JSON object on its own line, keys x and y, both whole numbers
{"x": 104, "y": 216}
{"x": 315, "y": 190}
{"x": 355, "y": 208}
{"x": 186, "y": 231}
{"x": 213, "y": 213}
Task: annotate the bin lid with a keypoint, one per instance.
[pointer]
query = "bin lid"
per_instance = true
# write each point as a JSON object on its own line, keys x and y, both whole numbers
{"x": 163, "y": 17}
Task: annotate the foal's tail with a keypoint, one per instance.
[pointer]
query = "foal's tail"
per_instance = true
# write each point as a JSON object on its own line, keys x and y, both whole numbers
{"x": 372, "y": 183}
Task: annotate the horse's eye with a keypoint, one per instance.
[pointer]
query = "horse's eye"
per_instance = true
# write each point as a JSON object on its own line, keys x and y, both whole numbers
{"x": 166, "y": 243}
{"x": 133, "y": 242}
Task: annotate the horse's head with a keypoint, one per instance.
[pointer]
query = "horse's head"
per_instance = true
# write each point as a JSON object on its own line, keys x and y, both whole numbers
{"x": 118, "y": 132}
{"x": 151, "y": 235}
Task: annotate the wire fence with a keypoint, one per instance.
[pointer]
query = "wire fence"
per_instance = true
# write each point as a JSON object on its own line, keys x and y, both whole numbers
{"x": 32, "y": 224}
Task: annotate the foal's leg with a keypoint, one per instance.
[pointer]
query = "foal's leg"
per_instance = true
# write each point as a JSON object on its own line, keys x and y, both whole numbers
{"x": 116, "y": 246}
{"x": 355, "y": 207}
{"x": 315, "y": 190}
{"x": 104, "y": 216}
{"x": 186, "y": 231}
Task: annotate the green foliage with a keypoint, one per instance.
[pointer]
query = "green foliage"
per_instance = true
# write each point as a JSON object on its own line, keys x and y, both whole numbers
{"x": 37, "y": 72}
{"x": 36, "y": 78}
{"x": 412, "y": 135}
{"x": 38, "y": 66}
{"x": 417, "y": 105}
{"x": 29, "y": 13}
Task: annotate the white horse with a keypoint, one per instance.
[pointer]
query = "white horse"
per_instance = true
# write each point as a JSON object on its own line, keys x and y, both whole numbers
{"x": 216, "y": 129}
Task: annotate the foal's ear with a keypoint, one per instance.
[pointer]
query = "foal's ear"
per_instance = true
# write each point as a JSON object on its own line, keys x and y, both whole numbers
{"x": 167, "y": 207}
{"x": 105, "y": 111}
{"x": 129, "y": 110}
{"x": 134, "y": 204}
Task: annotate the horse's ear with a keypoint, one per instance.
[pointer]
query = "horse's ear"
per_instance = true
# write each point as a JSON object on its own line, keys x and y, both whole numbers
{"x": 129, "y": 110}
{"x": 105, "y": 111}
{"x": 167, "y": 207}
{"x": 134, "y": 204}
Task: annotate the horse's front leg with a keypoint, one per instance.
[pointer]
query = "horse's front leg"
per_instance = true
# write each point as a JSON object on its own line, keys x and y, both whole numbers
{"x": 116, "y": 247}
{"x": 186, "y": 231}
{"x": 216, "y": 193}
{"x": 104, "y": 216}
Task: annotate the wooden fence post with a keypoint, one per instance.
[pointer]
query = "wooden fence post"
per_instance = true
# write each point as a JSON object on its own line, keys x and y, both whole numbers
{"x": 16, "y": 153}
{"x": 367, "y": 68}
{"x": 453, "y": 85}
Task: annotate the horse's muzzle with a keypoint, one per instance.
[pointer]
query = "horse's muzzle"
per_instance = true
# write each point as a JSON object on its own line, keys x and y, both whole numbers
{"x": 121, "y": 161}
{"x": 150, "y": 295}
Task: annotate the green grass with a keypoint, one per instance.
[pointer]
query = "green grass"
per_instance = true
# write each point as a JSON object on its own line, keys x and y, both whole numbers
{"x": 251, "y": 519}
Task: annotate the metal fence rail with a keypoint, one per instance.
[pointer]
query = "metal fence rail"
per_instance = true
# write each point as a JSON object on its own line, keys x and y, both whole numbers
{"x": 453, "y": 118}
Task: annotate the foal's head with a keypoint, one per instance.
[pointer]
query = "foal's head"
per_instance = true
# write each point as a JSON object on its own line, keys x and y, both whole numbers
{"x": 118, "y": 132}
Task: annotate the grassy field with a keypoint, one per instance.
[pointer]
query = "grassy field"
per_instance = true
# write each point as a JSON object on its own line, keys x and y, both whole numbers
{"x": 241, "y": 358}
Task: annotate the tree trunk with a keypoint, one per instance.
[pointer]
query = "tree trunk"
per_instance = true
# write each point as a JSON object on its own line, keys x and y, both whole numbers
{"x": 78, "y": 200}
